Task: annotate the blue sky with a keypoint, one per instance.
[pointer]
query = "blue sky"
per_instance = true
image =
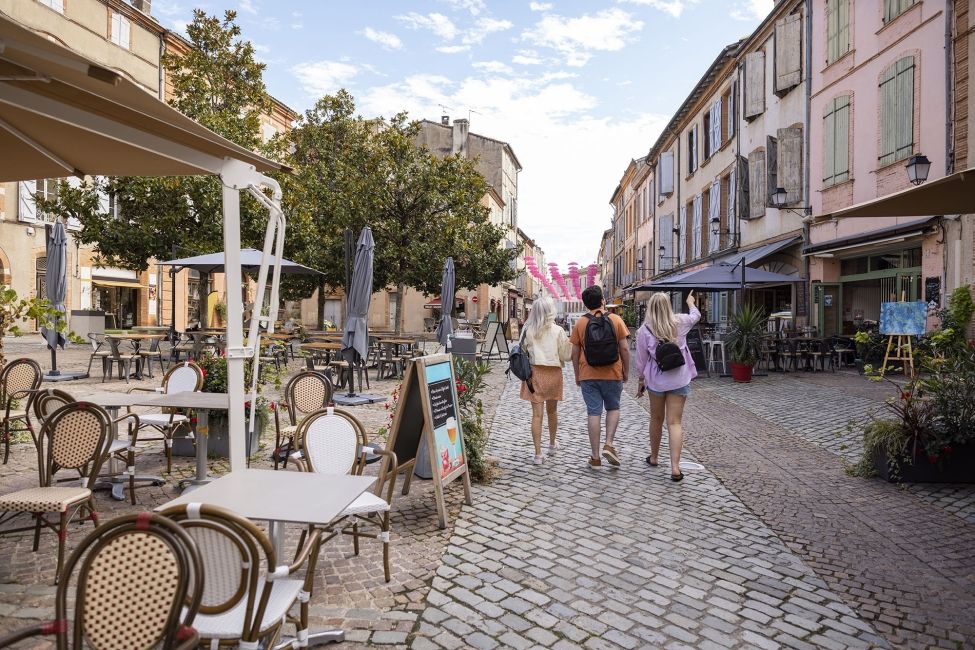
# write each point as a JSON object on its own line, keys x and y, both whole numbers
{"x": 577, "y": 88}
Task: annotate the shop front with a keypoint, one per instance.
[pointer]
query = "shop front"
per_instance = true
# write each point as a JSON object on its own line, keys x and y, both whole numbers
{"x": 119, "y": 300}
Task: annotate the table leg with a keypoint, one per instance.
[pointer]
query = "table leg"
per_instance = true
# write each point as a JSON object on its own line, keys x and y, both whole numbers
{"x": 118, "y": 482}
{"x": 202, "y": 433}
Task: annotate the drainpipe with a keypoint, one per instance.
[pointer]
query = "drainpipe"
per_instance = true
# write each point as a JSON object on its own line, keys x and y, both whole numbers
{"x": 805, "y": 154}
{"x": 162, "y": 79}
{"x": 739, "y": 125}
{"x": 949, "y": 83}
{"x": 677, "y": 192}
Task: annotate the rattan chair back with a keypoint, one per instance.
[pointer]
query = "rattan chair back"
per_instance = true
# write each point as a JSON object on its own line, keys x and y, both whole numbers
{"x": 233, "y": 551}
{"x": 185, "y": 377}
{"x": 134, "y": 586}
{"x": 48, "y": 400}
{"x": 18, "y": 376}
{"x": 331, "y": 441}
{"x": 307, "y": 392}
{"x": 75, "y": 436}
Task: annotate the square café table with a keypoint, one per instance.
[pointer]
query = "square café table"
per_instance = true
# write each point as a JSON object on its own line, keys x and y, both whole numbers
{"x": 269, "y": 496}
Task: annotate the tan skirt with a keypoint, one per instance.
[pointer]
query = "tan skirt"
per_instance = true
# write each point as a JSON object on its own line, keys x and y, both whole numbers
{"x": 547, "y": 382}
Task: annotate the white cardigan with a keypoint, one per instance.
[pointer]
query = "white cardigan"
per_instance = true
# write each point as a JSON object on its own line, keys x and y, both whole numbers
{"x": 550, "y": 348}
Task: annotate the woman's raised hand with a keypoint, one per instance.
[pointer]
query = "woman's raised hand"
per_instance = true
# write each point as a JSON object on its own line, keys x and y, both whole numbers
{"x": 690, "y": 299}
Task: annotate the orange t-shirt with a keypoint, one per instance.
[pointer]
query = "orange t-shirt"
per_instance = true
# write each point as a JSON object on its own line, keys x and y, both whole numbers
{"x": 586, "y": 372}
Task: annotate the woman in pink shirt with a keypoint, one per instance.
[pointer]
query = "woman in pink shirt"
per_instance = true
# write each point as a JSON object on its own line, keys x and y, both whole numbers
{"x": 668, "y": 389}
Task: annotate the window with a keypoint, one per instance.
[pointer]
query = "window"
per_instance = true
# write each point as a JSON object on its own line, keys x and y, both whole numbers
{"x": 56, "y": 5}
{"x": 665, "y": 172}
{"x": 692, "y": 149}
{"x": 897, "y": 112}
{"x": 714, "y": 210}
{"x": 894, "y": 8}
{"x": 120, "y": 30}
{"x": 712, "y": 130}
{"x": 27, "y": 193}
{"x": 836, "y": 138}
{"x": 837, "y": 29}
{"x": 696, "y": 232}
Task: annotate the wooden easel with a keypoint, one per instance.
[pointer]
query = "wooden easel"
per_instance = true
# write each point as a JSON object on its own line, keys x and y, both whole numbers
{"x": 902, "y": 351}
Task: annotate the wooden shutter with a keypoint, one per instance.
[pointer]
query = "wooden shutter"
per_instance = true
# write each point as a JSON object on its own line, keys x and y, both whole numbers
{"x": 789, "y": 163}
{"x": 731, "y": 219}
{"x": 696, "y": 232}
{"x": 788, "y": 53}
{"x": 843, "y": 27}
{"x": 26, "y": 205}
{"x": 888, "y": 121}
{"x": 832, "y": 30}
{"x": 904, "y": 92}
{"x": 754, "y": 84}
{"x": 771, "y": 168}
{"x": 841, "y": 159}
{"x": 714, "y": 210}
{"x": 665, "y": 235}
{"x": 665, "y": 173}
{"x": 829, "y": 143}
{"x": 742, "y": 193}
{"x": 756, "y": 184}
{"x": 716, "y": 126}
{"x": 682, "y": 232}
{"x": 732, "y": 109}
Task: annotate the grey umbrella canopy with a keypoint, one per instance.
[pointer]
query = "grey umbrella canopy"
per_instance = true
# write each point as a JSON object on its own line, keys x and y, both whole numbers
{"x": 250, "y": 260}
{"x": 57, "y": 281}
{"x": 446, "y": 326}
{"x": 359, "y": 294}
{"x": 719, "y": 277}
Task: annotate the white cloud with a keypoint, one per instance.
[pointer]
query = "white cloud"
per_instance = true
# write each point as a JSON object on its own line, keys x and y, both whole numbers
{"x": 540, "y": 6}
{"x": 547, "y": 121}
{"x": 247, "y": 6}
{"x": 526, "y": 57}
{"x": 752, "y": 9}
{"x": 473, "y": 6}
{"x": 319, "y": 78}
{"x": 437, "y": 23}
{"x": 297, "y": 23}
{"x": 453, "y": 49}
{"x": 577, "y": 38}
{"x": 387, "y": 40}
{"x": 673, "y": 7}
{"x": 484, "y": 27}
{"x": 496, "y": 67}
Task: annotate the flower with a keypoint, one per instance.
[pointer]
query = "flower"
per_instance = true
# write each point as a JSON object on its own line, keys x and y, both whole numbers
{"x": 946, "y": 449}
{"x": 932, "y": 458}
{"x": 905, "y": 395}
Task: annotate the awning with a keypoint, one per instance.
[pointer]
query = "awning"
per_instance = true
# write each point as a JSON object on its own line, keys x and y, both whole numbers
{"x": 250, "y": 260}
{"x": 758, "y": 254}
{"x": 719, "y": 277}
{"x": 954, "y": 194}
{"x": 435, "y": 303}
{"x": 889, "y": 235}
{"x": 115, "y": 282}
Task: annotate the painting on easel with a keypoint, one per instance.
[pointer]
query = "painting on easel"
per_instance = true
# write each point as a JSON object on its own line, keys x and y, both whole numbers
{"x": 900, "y": 322}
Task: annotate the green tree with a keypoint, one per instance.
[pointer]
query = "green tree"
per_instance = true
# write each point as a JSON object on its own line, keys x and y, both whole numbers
{"x": 14, "y": 310}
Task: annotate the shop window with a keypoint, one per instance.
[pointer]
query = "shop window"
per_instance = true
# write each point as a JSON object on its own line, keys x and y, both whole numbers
{"x": 885, "y": 262}
{"x": 912, "y": 257}
{"x": 193, "y": 289}
{"x": 854, "y": 266}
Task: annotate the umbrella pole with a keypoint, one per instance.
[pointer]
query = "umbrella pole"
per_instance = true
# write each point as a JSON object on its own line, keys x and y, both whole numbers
{"x": 54, "y": 351}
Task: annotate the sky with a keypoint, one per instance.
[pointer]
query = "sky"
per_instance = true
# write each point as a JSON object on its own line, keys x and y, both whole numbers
{"x": 578, "y": 88}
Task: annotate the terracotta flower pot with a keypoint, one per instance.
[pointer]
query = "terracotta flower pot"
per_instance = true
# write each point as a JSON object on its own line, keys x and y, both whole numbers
{"x": 741, "y": 372}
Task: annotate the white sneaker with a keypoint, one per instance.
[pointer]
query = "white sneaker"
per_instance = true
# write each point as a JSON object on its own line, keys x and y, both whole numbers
{"x": 554, "y": 448}
{"x": 538, "y": 459}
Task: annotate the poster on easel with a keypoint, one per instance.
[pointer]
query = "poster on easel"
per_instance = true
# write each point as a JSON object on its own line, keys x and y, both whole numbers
{"x": 428, "y": 421}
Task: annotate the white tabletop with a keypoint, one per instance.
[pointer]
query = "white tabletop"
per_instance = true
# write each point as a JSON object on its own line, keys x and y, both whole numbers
{"x": 115, "y": 400}
{"x": 188, "y": 400}
{"x": 285, "y": 496}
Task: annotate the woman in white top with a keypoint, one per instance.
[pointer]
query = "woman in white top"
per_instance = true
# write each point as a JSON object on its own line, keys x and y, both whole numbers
{"x": 548, "y": 349}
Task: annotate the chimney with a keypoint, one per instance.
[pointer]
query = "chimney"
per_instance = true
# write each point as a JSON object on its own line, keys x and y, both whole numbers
{"x": 142, "y": 5}
{"x": 459, "y": 135}
{"x": 445, "y": 120}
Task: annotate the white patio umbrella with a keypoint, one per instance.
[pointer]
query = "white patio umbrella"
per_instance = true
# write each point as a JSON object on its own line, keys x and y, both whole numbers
{"x": 64, "y": 115}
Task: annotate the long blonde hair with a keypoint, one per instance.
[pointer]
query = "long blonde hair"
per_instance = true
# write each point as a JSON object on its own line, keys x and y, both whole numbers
{"x": 660, "y": 318}
{"x": 541, "y": 314}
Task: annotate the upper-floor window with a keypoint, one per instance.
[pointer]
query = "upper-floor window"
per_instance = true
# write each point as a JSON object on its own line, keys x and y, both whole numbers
{"x": 712, "y": 130}
{"x": 837, "y": 29}
{"x": 836, "y": 141}
{"x": 728, "y": 103}
{"x": 897, "y": 111}
{"x": 894, "y": 8}
{"x": 692, "y": 149}
{"x": 56, "y": 5}
{"x": 120, "y": 30}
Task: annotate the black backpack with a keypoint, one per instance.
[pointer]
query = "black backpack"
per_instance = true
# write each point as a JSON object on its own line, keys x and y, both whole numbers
{"x": 601, "y": 346}
{"x": 520, "y": 364}
{"x": 668, "y": 355}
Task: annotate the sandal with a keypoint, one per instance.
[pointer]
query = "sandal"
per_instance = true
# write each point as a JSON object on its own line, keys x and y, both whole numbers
{"x": 650, "y": 462}
{"x": 677, "y": 477}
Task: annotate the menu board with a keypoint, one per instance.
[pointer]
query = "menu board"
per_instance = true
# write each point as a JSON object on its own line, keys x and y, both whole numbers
{"x": 428, "y": 411}
{"x": 494, "y": 342}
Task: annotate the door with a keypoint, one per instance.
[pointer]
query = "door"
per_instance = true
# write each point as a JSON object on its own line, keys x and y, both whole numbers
{"x": 829, "y": 302}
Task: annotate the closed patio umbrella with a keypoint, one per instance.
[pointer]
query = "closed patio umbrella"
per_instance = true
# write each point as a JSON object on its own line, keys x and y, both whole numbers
{"x": 446, "y": 326}
{"x": 355, "y": 340}
{"x": 57, "y": 287}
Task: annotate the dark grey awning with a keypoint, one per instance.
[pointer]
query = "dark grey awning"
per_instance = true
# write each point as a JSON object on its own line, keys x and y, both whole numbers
{"x": 720, "y": 277}
{"x": 905, "y": 229}
{"x": 758, "y": 254}
{"x": 250, "y": 260}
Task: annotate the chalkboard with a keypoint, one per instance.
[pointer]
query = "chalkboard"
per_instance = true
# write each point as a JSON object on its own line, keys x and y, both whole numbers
{"x": 428, "y": 411}
{"x": 494, "y": 342}
{"x": 695, "y": 343}
{"x": 802, "y": 297}
{"x": 932, "y": 290}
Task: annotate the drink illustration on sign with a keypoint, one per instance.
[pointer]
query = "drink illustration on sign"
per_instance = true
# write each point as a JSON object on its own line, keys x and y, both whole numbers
{"x": 446, "y": 431}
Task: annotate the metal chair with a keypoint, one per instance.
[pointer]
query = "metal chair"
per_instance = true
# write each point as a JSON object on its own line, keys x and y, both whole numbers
{"x": 243, "y": 604}
{"x": 134, "y": 589}
{"x": 333, "y": 441}
{"x": 74, "y": 437}
{"x": 305, "y": 393}
{"x": 123, "y": 360}
{"x": 18, "y": 380}
{"x": 181, "y": 378}
{"x": 99, "y": 350}
{"x": 154, "y": 353}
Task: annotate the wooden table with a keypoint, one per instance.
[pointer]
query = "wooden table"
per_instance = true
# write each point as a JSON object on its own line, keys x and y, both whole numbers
{"x": 283, "y": 498}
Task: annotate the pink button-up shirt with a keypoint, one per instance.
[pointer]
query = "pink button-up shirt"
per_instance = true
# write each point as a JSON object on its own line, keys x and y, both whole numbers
{"x": 646, "y": 350}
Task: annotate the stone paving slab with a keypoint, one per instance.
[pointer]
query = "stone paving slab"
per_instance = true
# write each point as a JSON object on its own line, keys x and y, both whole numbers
{"x": 566, "y": 556}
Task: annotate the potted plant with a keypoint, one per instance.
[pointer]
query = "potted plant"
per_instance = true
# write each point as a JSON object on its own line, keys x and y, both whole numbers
{"x": 744, "y": 341}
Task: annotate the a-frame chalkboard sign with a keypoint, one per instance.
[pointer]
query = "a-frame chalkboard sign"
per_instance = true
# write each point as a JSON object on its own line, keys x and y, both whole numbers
{"x": 428, "y": 421}
{"x": 494, "y": 342}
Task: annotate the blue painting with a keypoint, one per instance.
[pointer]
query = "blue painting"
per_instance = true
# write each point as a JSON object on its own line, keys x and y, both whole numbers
{"x": 903, "y": 318}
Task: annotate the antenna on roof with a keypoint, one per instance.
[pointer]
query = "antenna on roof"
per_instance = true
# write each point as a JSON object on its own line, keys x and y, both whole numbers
{"x": 470, "y": 111}
{"x": 444, "y": 118}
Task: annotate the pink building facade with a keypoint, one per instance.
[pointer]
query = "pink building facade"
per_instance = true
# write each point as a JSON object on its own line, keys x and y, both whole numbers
{"x": 879, "y": 95}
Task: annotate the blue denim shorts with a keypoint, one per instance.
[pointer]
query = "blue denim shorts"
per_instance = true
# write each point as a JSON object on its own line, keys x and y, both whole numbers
{"x": 601, "y": 392}
{"x": 683, "y": 391}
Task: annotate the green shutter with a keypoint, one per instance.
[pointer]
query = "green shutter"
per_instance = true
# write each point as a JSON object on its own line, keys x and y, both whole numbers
{"x": 843, "y": 27}
{"x": 841, "y": 150}
{"x": 829, "y": 143}
{"x": 904, "y": 88}
{"x": 832, "y": 31}
{"x": 888, "y": 116}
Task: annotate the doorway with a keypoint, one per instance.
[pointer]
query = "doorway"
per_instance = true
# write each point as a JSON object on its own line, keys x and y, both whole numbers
{"x": 829, "y": 299}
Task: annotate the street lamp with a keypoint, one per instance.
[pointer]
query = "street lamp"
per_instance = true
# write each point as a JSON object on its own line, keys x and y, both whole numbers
{"x": 715, "y": 226}
{"x": 780, "y": 197}
{"x": 663, "y": 249}
{"x": 918, "y": 167}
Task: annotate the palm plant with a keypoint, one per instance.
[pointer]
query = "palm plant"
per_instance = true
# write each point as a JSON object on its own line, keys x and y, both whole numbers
{"x": 744, "y": 339}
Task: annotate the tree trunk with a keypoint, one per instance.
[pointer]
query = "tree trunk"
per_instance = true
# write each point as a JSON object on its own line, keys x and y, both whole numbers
{"x": 397, "y": 323}
{"x": 320, "y": 320}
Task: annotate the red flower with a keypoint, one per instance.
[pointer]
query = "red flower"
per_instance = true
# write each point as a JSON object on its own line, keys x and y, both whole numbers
{"x": 461, "y": 388}
{"x": 273, "y": 406}
{"x": 906, "y": 395}
{"x": 946, "y": 449}
{"x": 203, "y": 371}
{"x": 932, "y": 458}
{"x": 247, "y": 405}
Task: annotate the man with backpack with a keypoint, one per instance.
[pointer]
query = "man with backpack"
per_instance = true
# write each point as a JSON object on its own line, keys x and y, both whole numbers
{"x": 601, "y": 360}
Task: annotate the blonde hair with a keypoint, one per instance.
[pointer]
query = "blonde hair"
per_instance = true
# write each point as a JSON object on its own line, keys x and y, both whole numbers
{"x": 660, "y": 318}
{"x": 541, "y": 314}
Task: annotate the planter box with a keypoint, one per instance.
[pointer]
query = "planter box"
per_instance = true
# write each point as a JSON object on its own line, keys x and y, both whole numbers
{"x": 741, "y": 373}
{"x": 958, "y": 467}
{"x": 218, "y": 443}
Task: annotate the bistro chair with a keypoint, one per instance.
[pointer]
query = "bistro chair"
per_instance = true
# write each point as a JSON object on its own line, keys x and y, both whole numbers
{"x": 185, "y": 377}
{"x": 246, "y": 594}
{"x": 305, "y": 393}
{"x": 154, "y": 353}
{"x": 123, "y": 360}
{"x": 844, "y": 351}
{"x": 388, "y": 360}
{"x": 18, "y": 380}
{"x": 333, "y": 441}
{"x": 74, "y": 437}
{"x": 133, "y": 589}
{"x": 99, "y": 350}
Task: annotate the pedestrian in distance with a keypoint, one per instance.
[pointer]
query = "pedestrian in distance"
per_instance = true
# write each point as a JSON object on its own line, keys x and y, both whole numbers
{"x": 601, "y": 361}
{"x": 666, "y": 369}
{"x": 547, "y": 345}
